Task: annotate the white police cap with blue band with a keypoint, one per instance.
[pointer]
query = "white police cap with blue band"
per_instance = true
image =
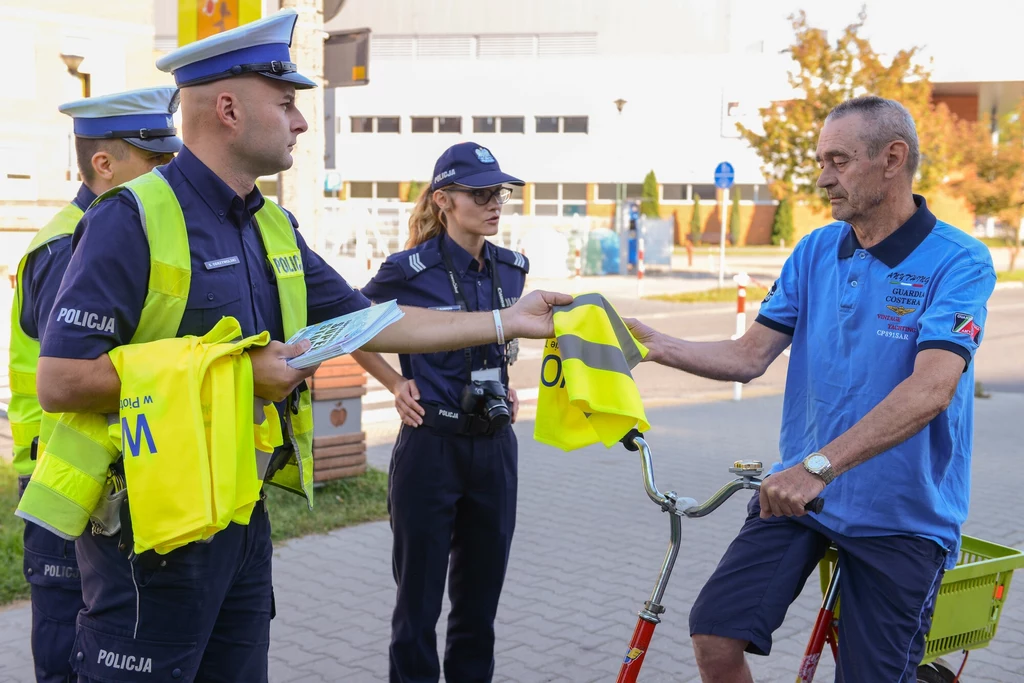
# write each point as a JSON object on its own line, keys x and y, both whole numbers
{"x": 143, "y": 118}
{"x": 258, "y": 47}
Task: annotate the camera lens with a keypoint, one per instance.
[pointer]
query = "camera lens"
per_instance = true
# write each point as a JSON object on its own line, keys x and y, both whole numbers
{"x": 497, "y": 413}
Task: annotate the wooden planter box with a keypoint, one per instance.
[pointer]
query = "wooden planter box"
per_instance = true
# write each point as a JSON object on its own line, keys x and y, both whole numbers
{"x": 339, "y": 443}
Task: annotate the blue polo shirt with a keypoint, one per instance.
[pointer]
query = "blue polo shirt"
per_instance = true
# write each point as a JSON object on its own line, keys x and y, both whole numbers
{"x": 44, "y": 269}
{"x": 858, "y": 318}
{"x": 418, "y": 277}
{"x": 109, "y": 270}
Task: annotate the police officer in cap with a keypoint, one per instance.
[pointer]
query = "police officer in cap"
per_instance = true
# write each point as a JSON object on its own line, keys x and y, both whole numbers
{"x": 202, "y": 612}
{"x": 117, "y": 138}
{"x": 453, "y": 479}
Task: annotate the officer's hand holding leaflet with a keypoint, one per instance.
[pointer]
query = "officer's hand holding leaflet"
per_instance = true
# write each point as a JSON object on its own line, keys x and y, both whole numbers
{"x": 273, "y": 378}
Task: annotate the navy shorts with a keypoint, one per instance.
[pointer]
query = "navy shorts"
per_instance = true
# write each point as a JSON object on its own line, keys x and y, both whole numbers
{"x": 887, "y": 590}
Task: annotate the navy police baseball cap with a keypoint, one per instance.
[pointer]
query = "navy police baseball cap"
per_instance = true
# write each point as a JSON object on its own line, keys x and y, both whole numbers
{"x": 470, "y": 165}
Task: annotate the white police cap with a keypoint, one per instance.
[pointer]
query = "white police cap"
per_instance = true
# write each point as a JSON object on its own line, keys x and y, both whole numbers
{"x": 258, "y": 47}
{"x": 143, "y": 118}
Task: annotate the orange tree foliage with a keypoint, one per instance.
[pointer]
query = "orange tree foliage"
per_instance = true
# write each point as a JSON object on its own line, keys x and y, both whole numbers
{"x": 827, "y": 74}
{"x": 992, "y": 173}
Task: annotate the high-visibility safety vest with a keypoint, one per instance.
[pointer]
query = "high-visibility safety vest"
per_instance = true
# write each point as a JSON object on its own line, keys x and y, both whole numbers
{"x": 24, "y": 412}
{"x": 188, "y": 435}
{"x": 188, "y": 461}
{"x": 587, "y": 394}
{"x": 169, "y": 280}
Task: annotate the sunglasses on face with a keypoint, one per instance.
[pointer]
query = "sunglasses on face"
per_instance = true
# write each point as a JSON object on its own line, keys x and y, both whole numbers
{"x": 483, "y": 195}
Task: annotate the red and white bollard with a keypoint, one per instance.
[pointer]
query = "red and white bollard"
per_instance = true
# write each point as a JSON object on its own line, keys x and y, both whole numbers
{"x": 578, "y": 263}
{"x": 640, "y": 266}
{"x": 741, "y": 280}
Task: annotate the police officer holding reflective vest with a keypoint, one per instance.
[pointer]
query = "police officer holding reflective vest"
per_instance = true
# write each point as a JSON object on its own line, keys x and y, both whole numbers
{"x": 202, "y": 612}
{"x": 453, "y": 479}
{"x": 117, "y": 138}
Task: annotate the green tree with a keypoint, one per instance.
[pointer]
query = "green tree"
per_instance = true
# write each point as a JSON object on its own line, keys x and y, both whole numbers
{"x": 734, "y": 218}
{"x": 782, "y": 225}
{"x": 992, "y": 179}
{"x": 415, "y": 188}
{"x": 649, "y": 198}
{"x": 826, "y": 74}
{"x": 696, "y": 224}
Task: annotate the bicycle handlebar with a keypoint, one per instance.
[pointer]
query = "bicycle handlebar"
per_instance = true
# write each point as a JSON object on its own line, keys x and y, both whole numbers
{"x": 634, "y": 441}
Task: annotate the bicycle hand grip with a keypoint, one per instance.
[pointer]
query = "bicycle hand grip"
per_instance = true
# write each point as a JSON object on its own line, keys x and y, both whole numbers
{"x": 627, "y": 440}
{"x": 816, "y": 505}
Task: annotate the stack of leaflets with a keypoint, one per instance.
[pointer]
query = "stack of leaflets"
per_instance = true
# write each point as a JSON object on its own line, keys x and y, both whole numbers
{"x": 343, "y": 334}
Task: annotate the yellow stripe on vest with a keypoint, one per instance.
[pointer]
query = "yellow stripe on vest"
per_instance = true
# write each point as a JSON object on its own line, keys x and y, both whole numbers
{"x": 587, "y": 394}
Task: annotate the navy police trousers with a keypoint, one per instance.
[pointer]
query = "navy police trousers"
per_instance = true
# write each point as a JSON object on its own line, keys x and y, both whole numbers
{"x": 199, "y": 613}
{"x": 452, "y": 501}
{"x": 52, "y": 572}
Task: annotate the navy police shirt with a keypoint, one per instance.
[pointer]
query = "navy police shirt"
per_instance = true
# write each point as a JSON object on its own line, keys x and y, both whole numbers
{"x": 418, "y": 277}
{"x": 101, "y": 297}
{"x": 44, "y": 269}
{"x": 858, "y": 318}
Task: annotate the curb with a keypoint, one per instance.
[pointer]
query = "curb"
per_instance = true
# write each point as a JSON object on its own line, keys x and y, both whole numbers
{"x": 1009, "y": 285}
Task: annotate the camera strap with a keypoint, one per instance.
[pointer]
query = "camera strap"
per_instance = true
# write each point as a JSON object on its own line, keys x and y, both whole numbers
{"x": 497, "y": 296}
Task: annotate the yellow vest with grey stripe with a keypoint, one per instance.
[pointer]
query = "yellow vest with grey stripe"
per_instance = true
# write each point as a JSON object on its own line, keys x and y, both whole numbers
{"x": 24, "y": 411}
{"x": 587, "y": 394}
{"x": 80, "y": 443}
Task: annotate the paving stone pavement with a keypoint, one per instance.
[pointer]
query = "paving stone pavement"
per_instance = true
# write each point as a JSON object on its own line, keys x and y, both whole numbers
{"x": 587, "y": 549}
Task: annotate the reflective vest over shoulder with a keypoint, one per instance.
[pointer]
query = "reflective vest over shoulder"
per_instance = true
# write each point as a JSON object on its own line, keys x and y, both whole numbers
{"x": 171, "y": 275}
{"x": 24, "y": 411}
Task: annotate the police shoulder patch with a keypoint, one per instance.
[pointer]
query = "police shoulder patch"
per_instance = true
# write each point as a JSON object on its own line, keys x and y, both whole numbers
{"x": 415, "y": 261}
{"x": 514, "y": 258}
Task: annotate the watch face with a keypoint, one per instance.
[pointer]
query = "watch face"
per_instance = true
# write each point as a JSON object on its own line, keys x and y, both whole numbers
{"x": 817, "y": 462}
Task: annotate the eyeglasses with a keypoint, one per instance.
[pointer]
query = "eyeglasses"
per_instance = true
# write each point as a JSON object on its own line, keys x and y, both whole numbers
{"x": 482, "y": 196}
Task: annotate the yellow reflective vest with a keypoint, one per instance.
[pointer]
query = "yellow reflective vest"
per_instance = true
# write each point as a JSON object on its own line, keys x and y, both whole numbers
{"x": 188, "y": 436}
{"x": 72, "y": 475}
{"x": 587, "y": 394}
{"x": 24, "y": 412}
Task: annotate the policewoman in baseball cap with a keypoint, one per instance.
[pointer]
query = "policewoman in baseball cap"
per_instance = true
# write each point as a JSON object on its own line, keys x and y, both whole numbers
{"x": 454, "y": 466}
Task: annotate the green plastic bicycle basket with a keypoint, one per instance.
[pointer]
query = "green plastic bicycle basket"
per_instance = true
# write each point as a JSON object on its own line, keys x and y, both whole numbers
{"x": 970, "y": 600}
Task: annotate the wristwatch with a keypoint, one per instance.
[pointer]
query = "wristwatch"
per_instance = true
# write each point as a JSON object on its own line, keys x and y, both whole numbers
{"x": 818, "y": 465}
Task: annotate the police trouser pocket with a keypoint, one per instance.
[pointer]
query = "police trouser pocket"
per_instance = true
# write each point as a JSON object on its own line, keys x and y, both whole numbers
{"x": 49, "y": 560}
{"x": 107, "y": 658}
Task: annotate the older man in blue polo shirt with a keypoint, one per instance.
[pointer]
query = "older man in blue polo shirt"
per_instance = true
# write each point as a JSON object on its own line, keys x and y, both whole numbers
{"x": 884, "y": 309}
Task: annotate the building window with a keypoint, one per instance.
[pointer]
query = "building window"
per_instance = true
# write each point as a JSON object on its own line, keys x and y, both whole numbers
{"x": 387, "y": 191}
{"x": 606, "y": 192}
{"x": 706, "y": 192}
{"x": 674, "y": 192}
{"x": 360, "y": 190}
{"x": 574, "y": 124}
{"x": 389, "y": 124}
{"x": 436, "y": 124}
{"x": 547, "y": 124}
{"x": 485, "y": 124}
{"x": 562, "y": 124}
{"x": 554, "y": 199}
{"x": 513, "y": 124}
{"x": 422, "y": 124}
{"x": 376, "y": 124}
{"x": 449, "y": 124}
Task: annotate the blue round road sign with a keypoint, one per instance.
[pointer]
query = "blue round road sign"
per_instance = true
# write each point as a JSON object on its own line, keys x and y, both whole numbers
{"x": 724, "y": 175}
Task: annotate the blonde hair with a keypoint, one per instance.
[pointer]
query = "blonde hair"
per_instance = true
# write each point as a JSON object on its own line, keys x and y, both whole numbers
{"x": 427, "y": 221}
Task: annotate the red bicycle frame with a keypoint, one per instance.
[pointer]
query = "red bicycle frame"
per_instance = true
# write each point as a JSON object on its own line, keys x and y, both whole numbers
{"x": 824, "y": 631}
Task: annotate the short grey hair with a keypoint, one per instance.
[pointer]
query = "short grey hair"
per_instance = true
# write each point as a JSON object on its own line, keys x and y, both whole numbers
{"x": 889, "y": 120}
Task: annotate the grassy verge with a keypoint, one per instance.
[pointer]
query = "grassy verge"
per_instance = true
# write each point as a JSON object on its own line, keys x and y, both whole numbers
{"x": 1010, "y": 275}
{"x": 710, "y": 296}
{"x": 336, "y": 504}
{"x": 12, "y": 581}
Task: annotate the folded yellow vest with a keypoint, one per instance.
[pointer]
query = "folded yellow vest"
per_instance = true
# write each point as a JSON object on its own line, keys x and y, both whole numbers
{"x": 187, "y": 429}
{"x": 587, "y": 394}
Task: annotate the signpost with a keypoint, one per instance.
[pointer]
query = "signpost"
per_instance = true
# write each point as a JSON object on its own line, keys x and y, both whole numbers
{"x": 724, "y": 177}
